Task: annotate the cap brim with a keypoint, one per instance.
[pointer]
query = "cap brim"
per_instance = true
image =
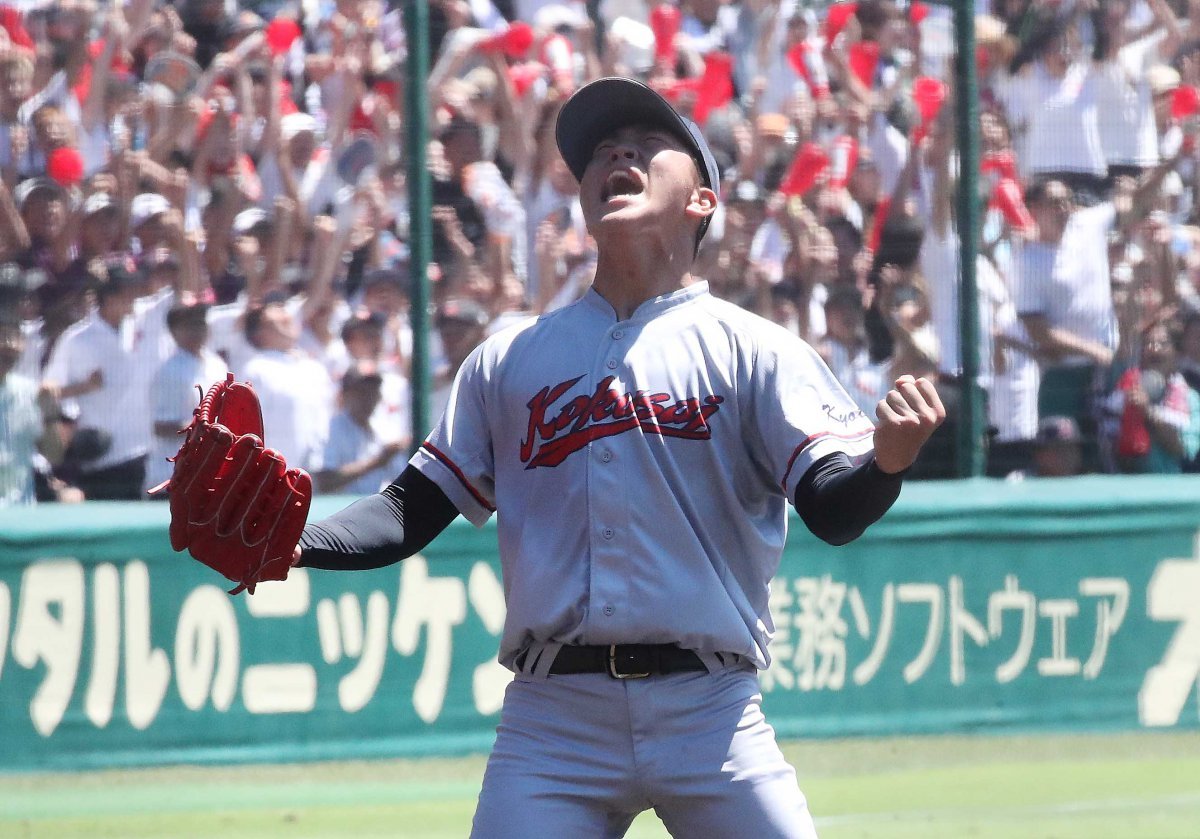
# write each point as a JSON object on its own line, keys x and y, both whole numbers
{"x": 598, "y": 109}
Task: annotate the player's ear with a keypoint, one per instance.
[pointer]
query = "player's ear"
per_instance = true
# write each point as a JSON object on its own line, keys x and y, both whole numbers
{"x": 703, "y": 203}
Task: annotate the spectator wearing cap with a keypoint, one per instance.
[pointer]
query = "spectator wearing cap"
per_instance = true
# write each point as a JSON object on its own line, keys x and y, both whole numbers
{"x": 173, "y": 389}
{"x": 1057, "y": 449}
{"x": 259, "y": 243}
{"x": 100, "y": 225}
{"x": 37, "y": 235}
{"x": 297, "y": 164}
{"x": 295, "y": 391}
{"x": 147, "y": 212}
{"x": 97, "y": 364}
{"x": 99, "y": 235}
{"x": 359, "y": 456}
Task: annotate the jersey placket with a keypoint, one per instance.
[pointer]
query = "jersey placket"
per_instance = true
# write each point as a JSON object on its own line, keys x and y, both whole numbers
{"x": 608, "y": 500}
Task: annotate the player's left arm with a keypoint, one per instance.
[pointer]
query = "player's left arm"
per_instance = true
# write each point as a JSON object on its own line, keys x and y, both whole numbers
{"x": 908, "y": 416}
{"x": 379, "y": 529}
{"x": 838, "y": 500}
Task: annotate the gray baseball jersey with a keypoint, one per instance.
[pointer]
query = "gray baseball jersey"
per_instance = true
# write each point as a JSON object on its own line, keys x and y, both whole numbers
{"x": 641, "y": 469}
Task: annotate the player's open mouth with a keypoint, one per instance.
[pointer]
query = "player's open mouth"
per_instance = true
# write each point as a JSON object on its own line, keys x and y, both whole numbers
{"x": 621, "y": 182}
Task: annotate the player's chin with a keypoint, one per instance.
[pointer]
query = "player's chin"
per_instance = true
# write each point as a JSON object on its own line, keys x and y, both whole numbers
{"x": 609, "y": 220}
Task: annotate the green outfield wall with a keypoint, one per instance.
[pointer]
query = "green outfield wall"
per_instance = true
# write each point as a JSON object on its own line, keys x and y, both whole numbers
{"x": 1069, "y": 604}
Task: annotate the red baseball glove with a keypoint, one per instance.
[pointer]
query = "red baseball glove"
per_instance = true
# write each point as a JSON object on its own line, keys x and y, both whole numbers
{"x": 235, "y": 505}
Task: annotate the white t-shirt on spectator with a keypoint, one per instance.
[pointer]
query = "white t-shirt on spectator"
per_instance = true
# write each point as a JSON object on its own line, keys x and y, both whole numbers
{"x": 120, "y": 407}
{"x": 1070, "y": 284}
{"x": 1054, "y": 120}
{"x": 297, "y": 400}
{"x": 348, "y": 442}
{"x": 1124, "y": 106}
{"x": 173, "y": 397}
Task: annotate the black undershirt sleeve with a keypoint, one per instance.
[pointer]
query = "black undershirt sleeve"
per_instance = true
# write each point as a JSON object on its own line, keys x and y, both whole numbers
{"x": 380, "y": 529}
{"x": 838, "y": 500}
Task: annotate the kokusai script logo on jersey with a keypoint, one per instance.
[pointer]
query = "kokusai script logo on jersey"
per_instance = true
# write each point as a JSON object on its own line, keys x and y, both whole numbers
{"x": 558, "y": 431}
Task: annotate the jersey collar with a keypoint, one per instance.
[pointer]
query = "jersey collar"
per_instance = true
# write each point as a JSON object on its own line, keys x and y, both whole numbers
{"x": 653, "y": 307}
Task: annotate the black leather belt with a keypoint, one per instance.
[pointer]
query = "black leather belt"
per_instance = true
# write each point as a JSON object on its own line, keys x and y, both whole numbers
{"x": 625, "y": 661}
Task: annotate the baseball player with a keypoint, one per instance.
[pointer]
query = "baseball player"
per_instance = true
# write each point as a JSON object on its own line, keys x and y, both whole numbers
{"x": 640, "y": 448}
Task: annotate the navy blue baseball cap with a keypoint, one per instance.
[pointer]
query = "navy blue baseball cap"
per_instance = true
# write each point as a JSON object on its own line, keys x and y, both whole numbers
{"x": 606, "y": 105}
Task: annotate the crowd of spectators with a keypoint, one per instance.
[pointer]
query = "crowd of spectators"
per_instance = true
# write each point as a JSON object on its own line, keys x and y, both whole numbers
{"x": 194, "y": 186}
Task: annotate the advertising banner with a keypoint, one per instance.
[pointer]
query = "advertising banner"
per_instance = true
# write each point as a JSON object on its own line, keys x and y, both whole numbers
{"x": 973, "y": 605}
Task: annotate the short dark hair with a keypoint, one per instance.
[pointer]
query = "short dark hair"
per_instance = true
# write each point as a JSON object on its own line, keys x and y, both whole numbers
{"x": 1035, "y": 193}
{"x": 254, "y": 318}
{"x": 186, "y": 313}
{"x": 873, "y": 13}
{"x": 360, "y": 321}
{"x": 361, "y": 374}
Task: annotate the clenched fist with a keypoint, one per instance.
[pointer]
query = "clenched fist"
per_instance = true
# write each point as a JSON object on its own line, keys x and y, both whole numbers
{"x": 908, "y": 415}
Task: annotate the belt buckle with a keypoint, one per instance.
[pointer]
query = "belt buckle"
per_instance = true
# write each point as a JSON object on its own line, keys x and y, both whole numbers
{"x": 612, "y": 666}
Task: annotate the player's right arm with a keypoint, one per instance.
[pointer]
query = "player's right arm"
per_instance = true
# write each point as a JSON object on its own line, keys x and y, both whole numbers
{"x": 380, "y": 529}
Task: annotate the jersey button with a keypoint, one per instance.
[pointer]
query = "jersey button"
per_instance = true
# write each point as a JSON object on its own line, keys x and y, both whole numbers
{"x": 608, "y": 609}
{"x": 618, "y": 334}
{"x": 607, "y": 533}
{"x": 611, "y": 364}
{"x": 606, "y": 455}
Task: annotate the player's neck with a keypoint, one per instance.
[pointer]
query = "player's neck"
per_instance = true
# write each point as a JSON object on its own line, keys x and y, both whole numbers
{"x": 628, "y": 276}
